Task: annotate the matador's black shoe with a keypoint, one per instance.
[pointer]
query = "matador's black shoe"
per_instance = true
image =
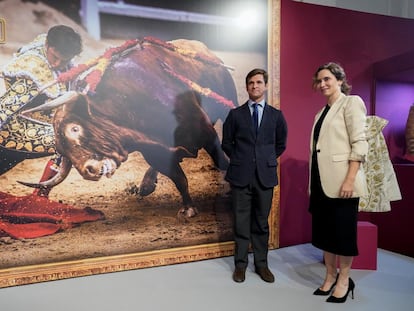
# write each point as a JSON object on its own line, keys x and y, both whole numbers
{"x": 239, "y": 275}
{"x": 265, "y": 274}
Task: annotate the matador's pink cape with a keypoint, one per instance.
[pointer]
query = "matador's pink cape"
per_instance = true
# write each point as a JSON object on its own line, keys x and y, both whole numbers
{"x": 32, "y": 216}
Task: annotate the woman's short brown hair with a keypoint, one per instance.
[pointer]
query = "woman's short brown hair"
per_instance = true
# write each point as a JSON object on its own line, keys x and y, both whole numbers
{"x": 339, "y": 74}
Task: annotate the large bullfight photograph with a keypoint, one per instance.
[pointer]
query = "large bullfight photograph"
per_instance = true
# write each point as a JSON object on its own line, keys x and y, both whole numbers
{"x": 110, "y": 125}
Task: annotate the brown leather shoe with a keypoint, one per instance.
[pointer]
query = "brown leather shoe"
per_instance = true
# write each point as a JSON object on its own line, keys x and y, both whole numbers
{"x": 265, "y": 274}
{"x": 239, "y": 275}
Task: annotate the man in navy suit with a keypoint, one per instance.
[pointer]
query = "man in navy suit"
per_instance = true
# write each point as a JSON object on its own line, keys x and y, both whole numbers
{"x": 253, "y": 140}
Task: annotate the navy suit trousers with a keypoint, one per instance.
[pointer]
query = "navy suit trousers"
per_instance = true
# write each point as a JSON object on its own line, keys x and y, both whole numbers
{"x": 251, "y": 208}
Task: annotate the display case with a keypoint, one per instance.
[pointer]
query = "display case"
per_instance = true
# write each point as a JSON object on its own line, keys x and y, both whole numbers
{"x": 394, "y": 101}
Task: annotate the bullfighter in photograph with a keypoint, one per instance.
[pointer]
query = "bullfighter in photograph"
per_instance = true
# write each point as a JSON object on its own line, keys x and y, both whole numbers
{"x": 32, "y": 68}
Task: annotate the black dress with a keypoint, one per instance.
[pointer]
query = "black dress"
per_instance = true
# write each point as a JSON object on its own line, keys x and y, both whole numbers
{"x": 334, "y": 220}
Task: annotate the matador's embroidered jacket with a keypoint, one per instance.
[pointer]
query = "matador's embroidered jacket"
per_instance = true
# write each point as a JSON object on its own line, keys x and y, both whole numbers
{"x": 24, "y": 77}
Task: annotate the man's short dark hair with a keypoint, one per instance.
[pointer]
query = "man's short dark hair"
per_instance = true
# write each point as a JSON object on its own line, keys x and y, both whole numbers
{"x": 257, "y": 71}
{"x": 65, "y": 40}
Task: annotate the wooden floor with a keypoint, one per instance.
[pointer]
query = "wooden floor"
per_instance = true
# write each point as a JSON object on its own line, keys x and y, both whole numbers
{"x": 207, "y": 285}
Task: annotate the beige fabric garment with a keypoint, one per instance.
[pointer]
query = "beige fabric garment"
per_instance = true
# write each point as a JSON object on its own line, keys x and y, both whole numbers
{"x": 381, "y": 179}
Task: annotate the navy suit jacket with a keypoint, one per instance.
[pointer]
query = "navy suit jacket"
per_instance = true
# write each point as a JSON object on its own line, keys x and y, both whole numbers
{"x": 249, "y": 153}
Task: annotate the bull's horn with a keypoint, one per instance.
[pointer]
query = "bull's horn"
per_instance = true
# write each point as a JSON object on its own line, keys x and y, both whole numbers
{"x": 68, "y": 96}
{"x": 62, "y": 173}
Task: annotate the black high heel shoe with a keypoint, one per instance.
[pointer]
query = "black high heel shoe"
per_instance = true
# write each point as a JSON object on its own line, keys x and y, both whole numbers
{"x": 342, "y": 299}
{"x": 319, "y": 292}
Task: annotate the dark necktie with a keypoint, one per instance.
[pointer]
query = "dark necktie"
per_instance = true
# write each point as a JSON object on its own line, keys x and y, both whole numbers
{"x": 255, "y": 117}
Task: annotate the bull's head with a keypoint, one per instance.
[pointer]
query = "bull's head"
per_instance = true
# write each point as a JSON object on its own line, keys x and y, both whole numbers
{"x": 89, "y": 143}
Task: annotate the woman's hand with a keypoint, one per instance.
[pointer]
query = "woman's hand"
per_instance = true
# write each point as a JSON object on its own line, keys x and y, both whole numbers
{"x": 347, "y": 189}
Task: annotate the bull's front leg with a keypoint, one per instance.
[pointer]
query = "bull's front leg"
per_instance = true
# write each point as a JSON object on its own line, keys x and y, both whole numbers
{"x": 148, "y": 183}
{"x": 167, "y": 161}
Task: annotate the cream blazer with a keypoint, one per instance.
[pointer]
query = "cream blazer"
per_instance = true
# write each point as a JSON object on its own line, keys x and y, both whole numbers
{"x": 342, "y": 138}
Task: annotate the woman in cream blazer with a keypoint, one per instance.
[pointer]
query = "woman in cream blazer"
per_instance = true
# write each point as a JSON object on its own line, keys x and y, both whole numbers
{"x": 337, "y": 180}
{"x": 342, "y": 139}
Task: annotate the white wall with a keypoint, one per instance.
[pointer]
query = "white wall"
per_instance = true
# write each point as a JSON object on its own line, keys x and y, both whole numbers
{"x": 398, "y": 8}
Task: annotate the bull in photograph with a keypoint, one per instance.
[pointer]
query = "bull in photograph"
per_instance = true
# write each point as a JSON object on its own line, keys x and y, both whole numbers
{"x": 161, "y": 100}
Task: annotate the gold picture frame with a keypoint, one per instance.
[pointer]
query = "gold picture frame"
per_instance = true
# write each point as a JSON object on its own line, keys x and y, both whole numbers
{"x": 14, "y": 276}
{"x": 2, "y": 30}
